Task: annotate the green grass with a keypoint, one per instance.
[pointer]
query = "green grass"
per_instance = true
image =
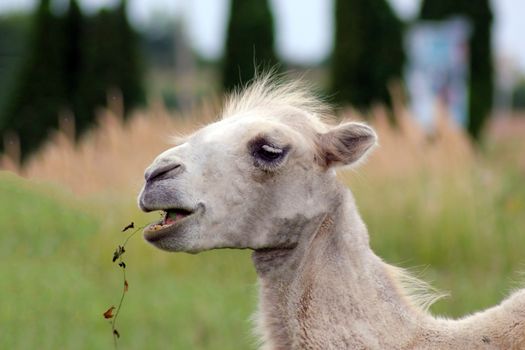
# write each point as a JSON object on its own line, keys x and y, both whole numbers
{"x": 57, "y": 277}
{"x": 466, "y": 235}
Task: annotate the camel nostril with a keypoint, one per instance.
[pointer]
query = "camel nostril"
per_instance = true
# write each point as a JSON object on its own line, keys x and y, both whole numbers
{"x": 159, "y": 171}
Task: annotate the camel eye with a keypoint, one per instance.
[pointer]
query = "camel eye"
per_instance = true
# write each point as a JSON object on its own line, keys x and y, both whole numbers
{"x": 267, "y": 155}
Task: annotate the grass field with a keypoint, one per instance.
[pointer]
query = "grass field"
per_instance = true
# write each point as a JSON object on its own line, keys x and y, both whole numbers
{"x": 454, "y": 213}
{"x": 58, "y": 279}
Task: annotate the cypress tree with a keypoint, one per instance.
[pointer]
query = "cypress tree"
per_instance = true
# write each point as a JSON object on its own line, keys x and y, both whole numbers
{"x": 14, "y": 32}
{"x": 34, "y": 102}
{"x": 518, "y": 96}
{"x": 368, "y": 52}
{"x": 71, "y": 63}
{"x": 481, "y": 65}
{"x": 73, "y": 24}
{"x": 131, "y": 68}
{"x": 250, "y": 41}
{"x": 110, "y": 60}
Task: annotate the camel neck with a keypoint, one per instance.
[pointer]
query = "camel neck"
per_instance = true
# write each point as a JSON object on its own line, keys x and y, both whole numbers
{"x": 330, "y": 281}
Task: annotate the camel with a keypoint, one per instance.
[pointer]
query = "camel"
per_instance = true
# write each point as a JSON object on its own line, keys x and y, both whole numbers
{"x": 263, "y": 178}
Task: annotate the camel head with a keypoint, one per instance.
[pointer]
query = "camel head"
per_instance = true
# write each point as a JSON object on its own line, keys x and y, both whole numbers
{"x": 253, "y": 179}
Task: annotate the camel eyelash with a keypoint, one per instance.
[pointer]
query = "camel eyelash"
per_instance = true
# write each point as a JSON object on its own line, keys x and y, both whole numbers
{"x": 267, "y": 155}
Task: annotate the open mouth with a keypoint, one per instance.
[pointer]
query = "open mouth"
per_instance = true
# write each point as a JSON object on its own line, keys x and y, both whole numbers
{"x": 174, "y": 221}
{"x": 170, "y": 217}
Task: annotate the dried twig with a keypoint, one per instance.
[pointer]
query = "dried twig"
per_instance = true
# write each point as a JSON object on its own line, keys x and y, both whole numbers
{"x": 117, "y": 255}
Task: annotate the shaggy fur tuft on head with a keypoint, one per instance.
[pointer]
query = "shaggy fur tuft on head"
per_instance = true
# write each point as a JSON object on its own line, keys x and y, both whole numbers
{"x": 297, "y": 105}
{"x": 270, "y": 92}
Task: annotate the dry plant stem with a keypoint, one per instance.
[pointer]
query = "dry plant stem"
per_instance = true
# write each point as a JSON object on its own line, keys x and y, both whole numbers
{"x": 114, "y": 320}
{"x": 124, "y": 287}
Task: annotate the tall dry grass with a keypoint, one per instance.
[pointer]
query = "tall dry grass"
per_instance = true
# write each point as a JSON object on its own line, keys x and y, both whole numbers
{"x": 113, "y": 155}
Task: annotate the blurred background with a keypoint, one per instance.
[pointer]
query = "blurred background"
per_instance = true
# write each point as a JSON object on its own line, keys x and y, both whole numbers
{"x": 92, "y": 90}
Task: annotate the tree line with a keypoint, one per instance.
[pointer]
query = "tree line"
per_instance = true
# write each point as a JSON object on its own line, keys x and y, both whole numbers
{"x": 72, "y": 60}
{"x": 368, "y": 52}
{"x": 70, "y": 63}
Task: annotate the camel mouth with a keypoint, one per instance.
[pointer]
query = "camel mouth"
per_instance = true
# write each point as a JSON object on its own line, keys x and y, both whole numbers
{"x": 170, "y": 218}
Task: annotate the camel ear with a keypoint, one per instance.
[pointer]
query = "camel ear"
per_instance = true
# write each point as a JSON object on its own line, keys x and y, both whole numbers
{"x": 346, "y": 144}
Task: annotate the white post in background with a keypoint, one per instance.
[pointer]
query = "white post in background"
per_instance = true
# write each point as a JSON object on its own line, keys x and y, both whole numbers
{"x": 438, "y": 69}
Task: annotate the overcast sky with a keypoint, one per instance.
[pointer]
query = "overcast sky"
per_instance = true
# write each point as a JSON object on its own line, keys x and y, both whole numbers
{"x": 304, "y": 27}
